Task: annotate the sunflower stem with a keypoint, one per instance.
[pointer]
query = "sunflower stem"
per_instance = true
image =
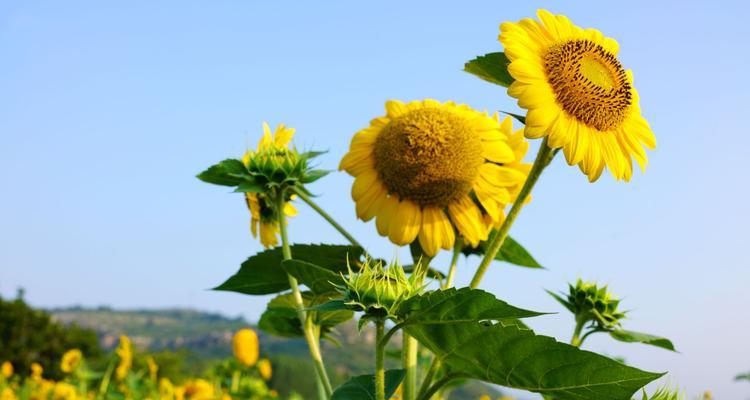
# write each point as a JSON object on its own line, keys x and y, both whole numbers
{"x": 434, "y": 367}
{"x": 454, "y": 261}
{"x": 410, "y": 365}
{"x": 576, "y": 340}
{"x": 310, "y": 336}
{"x": 326, "y": 216}
{"x": 543, "y": 158}
{"x": 379, "y": 360}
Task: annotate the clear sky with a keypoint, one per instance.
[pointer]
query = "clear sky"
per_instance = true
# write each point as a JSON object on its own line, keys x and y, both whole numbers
{"x": 107, "y": 112}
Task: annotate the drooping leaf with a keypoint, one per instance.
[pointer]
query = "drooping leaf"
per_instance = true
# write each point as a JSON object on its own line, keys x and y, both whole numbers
{"x": 317, "y": 279}
{"x": 363, "y": 387}
{"x": 492, "y": 67}
{"x": 229, "y": 172}
{"x": 645, "y": 338}
{"x": 511, "y": 252}
{"x": 263, "y": 273}
{"x": 508, "y": 355}
{"x": 458, "y": 305}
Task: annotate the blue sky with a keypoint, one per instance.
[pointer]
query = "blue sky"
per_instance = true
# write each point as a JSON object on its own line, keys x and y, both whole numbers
{"x": 109, "y": 110}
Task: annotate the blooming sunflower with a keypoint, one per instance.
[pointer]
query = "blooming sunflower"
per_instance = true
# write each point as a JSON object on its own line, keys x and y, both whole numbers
{"x": 577, "y": 93}
{"x": 427, "y": 167}
{"x": 71, "y": 360}
{"x": 272, "y": 147}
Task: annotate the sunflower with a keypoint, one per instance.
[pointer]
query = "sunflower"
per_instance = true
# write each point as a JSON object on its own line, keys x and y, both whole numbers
{"x": 71, "y": 360}
{"x": 272, "y": 147}
{"x": 577, "y": 93}
{"x": 428, "y": 169}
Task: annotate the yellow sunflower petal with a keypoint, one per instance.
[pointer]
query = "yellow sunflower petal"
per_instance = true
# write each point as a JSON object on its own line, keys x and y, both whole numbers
{"x": 404, "y": 226}
{"x": 385, "y": 214}
{"x": 498, "y": 151}
{"x": 468, "y": 220}
{"x": 436, "y": 231}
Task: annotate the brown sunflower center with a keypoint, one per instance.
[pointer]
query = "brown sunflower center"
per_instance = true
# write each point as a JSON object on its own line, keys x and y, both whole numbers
{"x": 430, "y": 156}
{"x": 589, "y": 83}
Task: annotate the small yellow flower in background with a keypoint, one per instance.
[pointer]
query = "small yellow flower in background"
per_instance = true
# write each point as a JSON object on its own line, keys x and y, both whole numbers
{"x": 271, "y": 148}
{"x": 166, "y": 389}
{"x": 245, "y": 346}
{"x": 8, "y": 394}
{"x": 71, "y": 360}
{"x": 125, "y": 352}
{"x": 199, "y": 389}
{"x": 6, "y": 369}
{"x": 225, "y": 396}
{"x": 153, "y": 368}
{"x": 64, "y": 391}
{"x": 265, "y": 369}
{"x": 577, "y": 94}
{"x": 427, "y": 167}
{"x": 36, "y": 372}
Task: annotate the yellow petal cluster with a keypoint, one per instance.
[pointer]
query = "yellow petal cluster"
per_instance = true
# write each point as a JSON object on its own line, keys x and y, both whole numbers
{"x": 245, "y": 347}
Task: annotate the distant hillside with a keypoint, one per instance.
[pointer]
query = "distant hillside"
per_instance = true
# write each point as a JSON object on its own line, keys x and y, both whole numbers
{"x": 208, "y": 336}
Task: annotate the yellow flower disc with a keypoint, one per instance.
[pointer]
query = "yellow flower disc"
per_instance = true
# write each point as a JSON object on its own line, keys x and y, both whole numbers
{"x": 245, "y": 347}
{"x": 577, "y": 94}
{"x": 427, "y": 170}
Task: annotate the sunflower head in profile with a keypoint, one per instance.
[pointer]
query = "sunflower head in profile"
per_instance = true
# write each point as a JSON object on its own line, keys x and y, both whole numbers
{"x": 431, "y": 170}
{"x": 577, "y": 94}
{"x": 273, "y": 165}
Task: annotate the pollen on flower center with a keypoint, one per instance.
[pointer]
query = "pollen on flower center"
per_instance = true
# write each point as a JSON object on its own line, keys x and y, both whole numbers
{"x": 429, "y": 156}
{"x": 589, "y": 83}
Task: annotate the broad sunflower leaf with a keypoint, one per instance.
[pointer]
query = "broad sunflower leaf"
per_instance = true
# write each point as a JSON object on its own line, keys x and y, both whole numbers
{"x": 318, "y": 279}
{"x": 508, "y": 355}
{"x": 263, "y": 273}
{"x": 511, "y": 252}
{"x": 492, "y": 67}
{"x": 645, "y": 338}
{"x": 363, "y": 387}
{"x": 229, "y": 172}
{"x": 458, "y": 305}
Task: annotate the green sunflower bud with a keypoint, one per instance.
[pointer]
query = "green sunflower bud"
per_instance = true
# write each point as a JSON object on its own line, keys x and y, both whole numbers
{"x": 377, "y": 290}
{"x": 591, "y": 303}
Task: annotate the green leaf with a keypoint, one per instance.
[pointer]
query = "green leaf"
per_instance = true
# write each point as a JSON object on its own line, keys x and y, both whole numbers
{"x": 363, "y": 387}
{"x": 263, "y": 273}
{"x": 314, "y": 175}
{"x": 260, "y": 274}
{"x": 318, "y": 279}
{"x": 743, "y": 377}
{"x": 492, "y": 67}
{"x": 645, "y": 338}
{"x": 458, "y": 305}
{"x": 511, "y": 252}
{"x": 508, "y": 355}
{"x": 333, "y": 305}
{"x": 229, "y": 172}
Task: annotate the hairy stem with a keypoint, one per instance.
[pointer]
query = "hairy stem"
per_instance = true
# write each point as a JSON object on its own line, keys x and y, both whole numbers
{"x": 327, "y": 217}
{"x": 310, "y": 336}
{"x": 576, "y": 340}
{"x": 543, "y": 158}
{"x": 409, "y": 357}
{"x": 379, "y": 360}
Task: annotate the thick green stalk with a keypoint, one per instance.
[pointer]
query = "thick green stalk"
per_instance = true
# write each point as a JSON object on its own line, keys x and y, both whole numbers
{"x": 409, "y": 357}
{"x": 576, "y": 340}
{"x": 327, "y": 217}
{"x": 434, "y": 367}
{"x": 543, "y": 158}
{"x": 379, "y": 360}
{"x": 307, "y": 323}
